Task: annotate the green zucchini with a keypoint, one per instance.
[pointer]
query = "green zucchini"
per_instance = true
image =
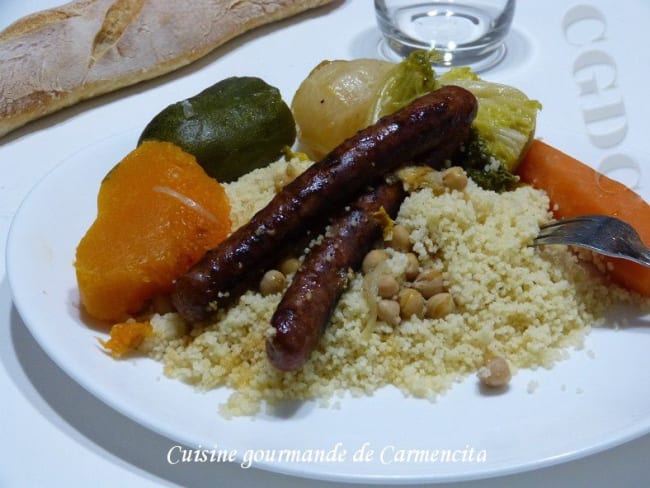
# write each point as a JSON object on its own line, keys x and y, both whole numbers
{"x": 233, "y": 127}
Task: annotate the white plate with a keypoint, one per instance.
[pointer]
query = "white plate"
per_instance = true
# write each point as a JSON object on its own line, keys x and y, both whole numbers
{"x": 583, "y": 405}
{"x": 596, "y": 399}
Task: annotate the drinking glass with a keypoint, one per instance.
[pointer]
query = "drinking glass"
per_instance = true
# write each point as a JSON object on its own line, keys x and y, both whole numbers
{"x": 465, "y": 32}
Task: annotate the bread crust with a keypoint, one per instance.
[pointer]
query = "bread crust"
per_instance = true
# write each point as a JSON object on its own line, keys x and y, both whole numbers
{"x": 55, "y": 58}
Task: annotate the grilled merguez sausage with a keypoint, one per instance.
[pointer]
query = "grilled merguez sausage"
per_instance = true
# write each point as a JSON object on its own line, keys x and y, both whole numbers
{"x": 423, "y": 127}
{"x": 308, "y": 303}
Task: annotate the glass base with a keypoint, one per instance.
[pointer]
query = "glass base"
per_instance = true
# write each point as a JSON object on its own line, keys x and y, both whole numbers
{"x": 450, "y": 59}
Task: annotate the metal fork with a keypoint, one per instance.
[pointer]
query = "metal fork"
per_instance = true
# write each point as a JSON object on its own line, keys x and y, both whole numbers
{"x": 605, "y": 235}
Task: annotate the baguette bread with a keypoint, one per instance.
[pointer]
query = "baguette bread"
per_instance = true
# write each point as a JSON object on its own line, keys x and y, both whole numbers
{"x": 58, "y": 57}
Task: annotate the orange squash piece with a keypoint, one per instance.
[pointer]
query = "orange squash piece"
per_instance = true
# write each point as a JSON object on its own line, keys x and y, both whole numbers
{"x": 126, "y": 337}
{"x": 158, "y": 213}
{"x": 576, "y": 189}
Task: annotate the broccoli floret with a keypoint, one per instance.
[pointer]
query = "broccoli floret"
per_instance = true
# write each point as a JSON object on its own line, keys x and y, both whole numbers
{"x": 482, "y": 167}
{"x": 501, "y": 132}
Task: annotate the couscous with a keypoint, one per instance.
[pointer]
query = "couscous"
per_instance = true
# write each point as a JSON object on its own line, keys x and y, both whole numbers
{"x": 484, "y": 294}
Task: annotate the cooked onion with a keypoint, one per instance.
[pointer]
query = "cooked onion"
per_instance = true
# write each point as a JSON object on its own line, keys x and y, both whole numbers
{"x": 332, "y": 103}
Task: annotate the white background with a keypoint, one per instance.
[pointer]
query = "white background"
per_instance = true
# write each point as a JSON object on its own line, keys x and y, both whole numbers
{"x": 54, "y": 433}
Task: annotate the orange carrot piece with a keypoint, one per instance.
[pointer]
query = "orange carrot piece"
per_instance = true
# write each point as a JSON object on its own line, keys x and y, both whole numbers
{"x": 576, "y": 189}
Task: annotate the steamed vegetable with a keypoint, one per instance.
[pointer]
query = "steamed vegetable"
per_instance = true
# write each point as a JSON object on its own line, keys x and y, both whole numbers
{"x": 502, "y": 130}
{"x": 126, "y": 337}
{"x": 331, "y": 104}
{"x": 339, "y": 98}
{"x": 406, "y": 81}
{"x": 231, "y": 128}
{"x": 158, "y": 213}
{"x": 576, "y": 189}
{"x": 480, "y": 164}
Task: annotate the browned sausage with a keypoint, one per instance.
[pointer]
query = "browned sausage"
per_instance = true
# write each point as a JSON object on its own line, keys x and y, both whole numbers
{"x": 308, "y": 303}
{"x": 421, "y": 128}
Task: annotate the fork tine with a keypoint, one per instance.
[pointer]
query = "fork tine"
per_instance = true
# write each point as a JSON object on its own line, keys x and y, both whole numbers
{"x": 574, "y": 225}
{"x": 541, "y": 240}
{"x": 559, "y": 228}
{"x": 603, "y": 234}
{"x": 575, "y": 220}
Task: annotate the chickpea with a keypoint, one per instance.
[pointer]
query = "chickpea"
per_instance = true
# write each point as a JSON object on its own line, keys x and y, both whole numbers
{"x": 495, "y": 373}
{"x": 454, "y": 178}
{"x": 272, "y": 282}
{"x": 401, "y": 240}
{"x": 412, "y": 266}
{"x": 387, "y": 286}
{"x": 411, "y": 303}
{"x": 289, "y": 266}
{"x": 373, "y": 259}
{"x": 439, "y": 305}
{"x": 429, "y": 283}
{"x": 388, "y": 311}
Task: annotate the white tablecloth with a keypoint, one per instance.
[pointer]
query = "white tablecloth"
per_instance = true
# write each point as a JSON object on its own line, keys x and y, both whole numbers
{"x": 54, "y": 433}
